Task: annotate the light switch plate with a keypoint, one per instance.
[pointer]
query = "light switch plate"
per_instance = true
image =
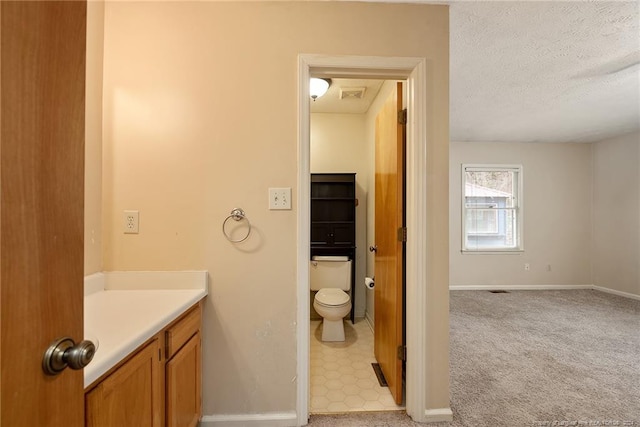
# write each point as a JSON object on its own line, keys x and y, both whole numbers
{"x": 280, "y": 198}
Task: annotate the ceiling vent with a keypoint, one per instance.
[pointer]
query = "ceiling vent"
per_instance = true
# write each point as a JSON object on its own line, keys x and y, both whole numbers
{"x": 352, "y": 92}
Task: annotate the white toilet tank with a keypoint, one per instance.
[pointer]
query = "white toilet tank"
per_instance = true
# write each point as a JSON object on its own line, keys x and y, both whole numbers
{"x": 330, "y": 272}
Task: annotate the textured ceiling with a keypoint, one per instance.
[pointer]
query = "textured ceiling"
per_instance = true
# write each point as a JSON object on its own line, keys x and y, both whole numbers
{"x": 544, "y": 71}
{"x": 534, "y": 71}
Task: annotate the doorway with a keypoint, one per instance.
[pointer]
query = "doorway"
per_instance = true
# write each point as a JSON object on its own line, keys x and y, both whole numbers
{"x": 396, "y": 68}
{"x": 346, "y": 134}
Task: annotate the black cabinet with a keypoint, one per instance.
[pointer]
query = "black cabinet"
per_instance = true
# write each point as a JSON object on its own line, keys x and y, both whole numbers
{"x": 333, "y": 219}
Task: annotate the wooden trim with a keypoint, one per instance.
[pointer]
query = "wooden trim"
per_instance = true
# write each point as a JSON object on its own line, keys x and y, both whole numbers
{"x": 416, "y": 222}
{"x": 1, "y": 104}
{"x": 414, "y": 70}
{"x": 616, "y": 292}
{"x": 269, "y": 419}
{"x": 438, "y": 415}
{"x": 304, "y": 242}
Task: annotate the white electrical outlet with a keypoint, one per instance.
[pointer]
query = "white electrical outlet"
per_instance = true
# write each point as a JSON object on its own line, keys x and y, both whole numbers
{"x": 527, "y": 266}
{"x": 280, "y": 198}
{"x": 131, "y": 222}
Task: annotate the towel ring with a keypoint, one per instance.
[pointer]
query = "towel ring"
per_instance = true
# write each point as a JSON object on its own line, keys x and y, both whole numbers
{"x": 237, "y": 214}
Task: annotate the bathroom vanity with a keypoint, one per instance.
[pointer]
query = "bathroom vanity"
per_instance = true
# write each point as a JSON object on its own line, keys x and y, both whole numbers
{"x": 147, "y": 370}
{"x": 333, "y": 219}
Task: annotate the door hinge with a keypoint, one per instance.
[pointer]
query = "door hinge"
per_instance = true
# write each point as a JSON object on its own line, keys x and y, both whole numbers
{"x": 402, "y": 234}
{"x": 402, "y": 117}
{"x": 402, "y": 353}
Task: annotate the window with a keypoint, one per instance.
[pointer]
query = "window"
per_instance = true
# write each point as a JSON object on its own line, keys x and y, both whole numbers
{"x": 482, "y": 219}
{"x": 491, "y": 208}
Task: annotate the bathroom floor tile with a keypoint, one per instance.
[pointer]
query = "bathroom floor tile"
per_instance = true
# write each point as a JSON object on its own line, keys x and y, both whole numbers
{"x": 342, "y": 379}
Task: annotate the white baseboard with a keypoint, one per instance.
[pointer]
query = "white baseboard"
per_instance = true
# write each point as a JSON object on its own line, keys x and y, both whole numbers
{"x": 438, "y": 415}
{"x": 517, "y": 287}
{"x": 289, "y": 419}
{"x": 541, "y": 288}
{"x": 615, "y": 292}
{"x": 271, "y": 419}
{"x": 369, "y": 320}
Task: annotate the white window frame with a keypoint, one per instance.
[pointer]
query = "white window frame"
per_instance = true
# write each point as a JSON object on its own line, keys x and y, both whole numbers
{"x": 518, "y": 208}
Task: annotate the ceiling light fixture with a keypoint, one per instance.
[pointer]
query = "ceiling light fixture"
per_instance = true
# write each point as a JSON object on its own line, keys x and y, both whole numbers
{"x": 318, "y": 87}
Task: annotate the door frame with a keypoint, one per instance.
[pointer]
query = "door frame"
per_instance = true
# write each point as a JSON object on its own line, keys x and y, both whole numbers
{"x": 414, "y": 71}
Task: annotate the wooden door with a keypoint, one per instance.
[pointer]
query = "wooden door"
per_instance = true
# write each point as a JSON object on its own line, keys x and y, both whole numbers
{"x": 389, "y": 257}
{"x": 42, "y": 57}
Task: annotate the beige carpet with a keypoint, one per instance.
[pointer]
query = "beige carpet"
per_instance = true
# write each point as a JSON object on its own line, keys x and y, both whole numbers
{"x": 538, "y": 359}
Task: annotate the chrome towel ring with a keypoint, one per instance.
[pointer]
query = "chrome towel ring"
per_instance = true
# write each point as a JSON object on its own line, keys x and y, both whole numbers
{"x": 237, "y": 214}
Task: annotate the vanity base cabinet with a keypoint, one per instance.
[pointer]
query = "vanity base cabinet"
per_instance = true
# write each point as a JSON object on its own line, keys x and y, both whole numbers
{"x": 131, "y": 395}
{"x": 158, "y": 386}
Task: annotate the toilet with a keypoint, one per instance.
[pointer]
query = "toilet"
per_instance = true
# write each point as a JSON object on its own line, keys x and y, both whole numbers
{"x": 330, "y": 276}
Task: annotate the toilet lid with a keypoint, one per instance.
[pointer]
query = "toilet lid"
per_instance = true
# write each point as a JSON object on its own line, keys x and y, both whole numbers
{"x": 330, "y": 296}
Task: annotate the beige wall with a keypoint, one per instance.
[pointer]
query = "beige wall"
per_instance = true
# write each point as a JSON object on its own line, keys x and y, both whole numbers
{"x": 337, "y": 144}
{"x": 200, "y": 116}
{"x": 93, "y": 140}
{"x": 616, "y": 213}
{"x": 557, "y": 215}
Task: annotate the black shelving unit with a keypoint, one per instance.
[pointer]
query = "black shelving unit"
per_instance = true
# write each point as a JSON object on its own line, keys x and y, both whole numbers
{"x": 333, "y": 219}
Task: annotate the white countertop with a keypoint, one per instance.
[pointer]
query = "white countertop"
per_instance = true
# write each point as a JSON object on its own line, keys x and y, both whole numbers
{"x": 121, "y": 320}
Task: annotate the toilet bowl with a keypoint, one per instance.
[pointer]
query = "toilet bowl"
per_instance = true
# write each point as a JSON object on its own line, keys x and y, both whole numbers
{"x": 331, "y": 276}
{"x": 333, "y": 305}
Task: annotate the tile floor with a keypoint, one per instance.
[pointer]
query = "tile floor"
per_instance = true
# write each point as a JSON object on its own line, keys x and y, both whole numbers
{"x": 342, "y": 379}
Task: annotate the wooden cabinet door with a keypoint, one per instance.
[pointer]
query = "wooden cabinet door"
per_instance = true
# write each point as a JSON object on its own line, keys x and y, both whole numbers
{"x": 184, "y": 385}
{"x": 131, "y": 396}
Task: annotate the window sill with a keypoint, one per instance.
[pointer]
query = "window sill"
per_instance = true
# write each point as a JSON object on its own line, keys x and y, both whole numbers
{"x": 492, "y": 251}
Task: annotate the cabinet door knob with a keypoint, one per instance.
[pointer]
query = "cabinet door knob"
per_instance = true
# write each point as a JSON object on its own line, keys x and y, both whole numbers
{"x": 373, "y": 249}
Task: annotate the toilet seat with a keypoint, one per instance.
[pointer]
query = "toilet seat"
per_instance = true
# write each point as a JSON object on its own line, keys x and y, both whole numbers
{"x": 332, "y": 297}
{"x": 347, "y": 304}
